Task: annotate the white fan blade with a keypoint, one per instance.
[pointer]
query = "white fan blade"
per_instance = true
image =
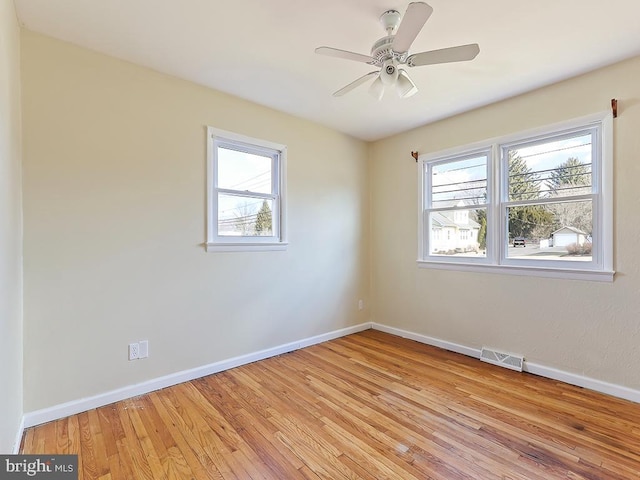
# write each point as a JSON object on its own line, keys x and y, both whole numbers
{"x": 335, "y": 52}
{"x": 377, "y": 88}
{"x": 354, "y": 84}
{"x": 414, "y": 19}
{"x": 445, "y": 55}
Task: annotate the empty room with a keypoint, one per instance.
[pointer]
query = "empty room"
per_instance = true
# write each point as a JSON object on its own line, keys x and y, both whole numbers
{"x": 319, "y": 240}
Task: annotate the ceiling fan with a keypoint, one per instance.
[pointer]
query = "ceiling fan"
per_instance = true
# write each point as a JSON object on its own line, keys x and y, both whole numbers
{"x": 391, "y": 51}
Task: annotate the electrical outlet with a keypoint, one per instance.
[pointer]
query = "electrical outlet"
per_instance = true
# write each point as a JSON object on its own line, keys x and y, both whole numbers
{"x": 360, "y": 304}
{"x": 143, "y": 351}
{"x": 134, "y": 351}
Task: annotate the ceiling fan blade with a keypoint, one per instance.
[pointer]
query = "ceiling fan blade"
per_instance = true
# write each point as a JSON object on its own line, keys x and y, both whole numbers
{"x": 445, "y": 55}
{"x": 354, "y": 84}
{"x": 336, "y": 52}
{"x": 377, "y": 88}
{"x": 414, "y": 19}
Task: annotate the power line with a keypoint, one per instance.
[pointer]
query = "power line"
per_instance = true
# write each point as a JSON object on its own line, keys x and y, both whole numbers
{"x": 248, "y": 180}
{"x": 552, "y": 151}
{"x": 461, "y": 168}
{"x": 460, "y": 183}
{"x": 556, "y": 169}
{"x": 245, "y": 205}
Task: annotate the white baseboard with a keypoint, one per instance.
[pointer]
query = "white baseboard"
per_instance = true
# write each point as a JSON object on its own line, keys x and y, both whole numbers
{"x": 453, "y": 347}
{"x": 612, "y": 389}
{"x": 55, "y": 412}
{"x": 18, "y": 440}
{"x": 76, "y": 406}
{"x": 533, "y": 368}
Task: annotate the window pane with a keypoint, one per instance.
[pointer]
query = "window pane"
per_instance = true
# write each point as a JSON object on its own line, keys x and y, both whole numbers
{"x": 244, "y": 216}
{"x": 459, "y": 183}
{"x": 243, "y": 171}
{"x": 552, "y": 231}
{"x": 558, "y": 168}
{"x": 461, "y": 233}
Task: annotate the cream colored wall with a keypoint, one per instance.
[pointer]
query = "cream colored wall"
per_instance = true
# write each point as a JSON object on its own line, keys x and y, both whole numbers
{"x": 10, "y": 230}
{"x": 114, "y": 199}
{"x": 586, "y": 328}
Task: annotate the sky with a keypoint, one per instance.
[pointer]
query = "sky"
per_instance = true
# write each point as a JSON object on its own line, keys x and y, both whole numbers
{"x": 467, "y": 178}
{"x": 245, "y": 172}
{"x": 550, "y": 155}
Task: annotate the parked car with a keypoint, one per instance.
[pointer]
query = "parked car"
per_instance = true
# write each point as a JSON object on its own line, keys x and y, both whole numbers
{"x": 519, "y": 241}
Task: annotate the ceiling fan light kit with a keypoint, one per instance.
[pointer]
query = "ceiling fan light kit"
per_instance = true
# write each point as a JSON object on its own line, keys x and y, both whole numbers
{"x": 405, "y": 86}
{"x": 391, "y": 51}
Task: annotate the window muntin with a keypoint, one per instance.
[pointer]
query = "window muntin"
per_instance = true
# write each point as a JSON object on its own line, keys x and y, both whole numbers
{"x": 544, "y": 185}
{"x": 246, "y": 188}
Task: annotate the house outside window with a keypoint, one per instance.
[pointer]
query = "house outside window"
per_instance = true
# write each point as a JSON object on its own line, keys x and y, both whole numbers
{"x": 246, "y": 201}
{"x": 537, "y": 203}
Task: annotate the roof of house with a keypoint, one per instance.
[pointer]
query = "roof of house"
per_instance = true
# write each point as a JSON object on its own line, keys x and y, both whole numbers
{"x": 445, "y": 219}
{"x": 570, "y": 229}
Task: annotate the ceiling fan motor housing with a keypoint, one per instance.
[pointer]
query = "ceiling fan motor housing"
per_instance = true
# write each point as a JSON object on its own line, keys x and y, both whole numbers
{"x": 382, "y": 51}
{"x": 390, "y": 21}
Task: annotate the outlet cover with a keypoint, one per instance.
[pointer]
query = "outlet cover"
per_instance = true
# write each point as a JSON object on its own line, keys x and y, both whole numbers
{"x": 143, "y": 352}
{"x": 134, "y": 351}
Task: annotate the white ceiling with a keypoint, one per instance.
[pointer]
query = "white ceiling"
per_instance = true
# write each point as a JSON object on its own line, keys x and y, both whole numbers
{"x": 263, "y": 50}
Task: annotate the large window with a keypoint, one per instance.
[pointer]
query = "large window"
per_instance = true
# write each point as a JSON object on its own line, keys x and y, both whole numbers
{"x": 533, "y": 203}
{"x": 245, "y": 193}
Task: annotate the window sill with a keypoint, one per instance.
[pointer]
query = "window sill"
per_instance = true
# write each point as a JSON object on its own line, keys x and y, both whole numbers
{"x": 246, "y": 247}
{"x": 569, "y": 274}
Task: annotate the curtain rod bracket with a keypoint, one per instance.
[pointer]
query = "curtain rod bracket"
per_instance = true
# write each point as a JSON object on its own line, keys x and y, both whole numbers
{"x": 614, "y": 107}
{"x": 415, "y": 155}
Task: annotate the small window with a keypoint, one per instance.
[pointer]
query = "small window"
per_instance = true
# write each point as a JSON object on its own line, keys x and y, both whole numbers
{"x": 533, "y": 203}
{"x": 245, "y": 193}
{"x": 456, "y": 199}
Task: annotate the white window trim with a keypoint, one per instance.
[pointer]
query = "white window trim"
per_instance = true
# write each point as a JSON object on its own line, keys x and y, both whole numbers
{"x": 216, "y": 243}
{"x": 496, "y": 260}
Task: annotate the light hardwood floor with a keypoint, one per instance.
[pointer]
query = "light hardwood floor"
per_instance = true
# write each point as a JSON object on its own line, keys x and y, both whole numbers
{"x": 371, "y": 406}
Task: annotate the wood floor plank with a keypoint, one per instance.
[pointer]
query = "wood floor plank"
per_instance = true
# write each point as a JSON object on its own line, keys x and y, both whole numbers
{"x": 136, "y": 458}
{"x": 205, "y": 442}
{"x": 73, "y": 431}
{"x": 365, "y": 406}
{"x": 152, "y": 458}
{"x": 26, "y": 443}
{"x": 62, "y": 436}
{"x": 102, "y": 460}
{"x": 257, "y": 432}
{"x": 201, "y": 465}
{"x": 221, "y": 442}
{"x": 87, "y": 448}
